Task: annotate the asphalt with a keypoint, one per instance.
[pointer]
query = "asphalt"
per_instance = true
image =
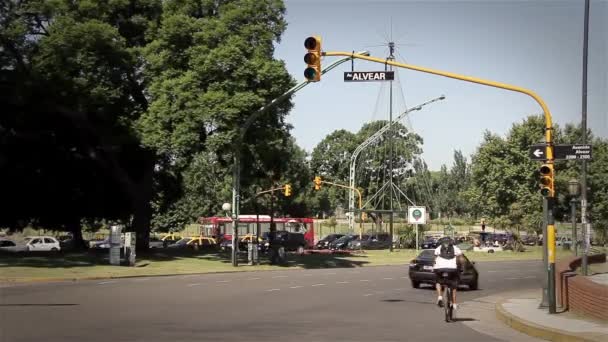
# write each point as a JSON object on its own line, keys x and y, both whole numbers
{"x": 341, "y": 304}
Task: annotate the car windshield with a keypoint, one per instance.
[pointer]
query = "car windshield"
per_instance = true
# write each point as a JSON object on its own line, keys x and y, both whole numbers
{"x": 427, "y": 254}
{"x": 183, "y": 241}
{"x": 344, "y": 238}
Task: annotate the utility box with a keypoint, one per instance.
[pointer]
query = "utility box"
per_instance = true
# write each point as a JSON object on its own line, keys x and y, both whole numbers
{"x": 115, "y": 242}
{"x": 130, "y": 242}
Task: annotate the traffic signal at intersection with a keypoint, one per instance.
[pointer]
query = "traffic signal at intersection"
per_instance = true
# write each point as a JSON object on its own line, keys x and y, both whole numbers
{"x": 287, "y": 190}
{"x": 317, "y": 182}
{"x": 547, "y": 180}
{"x": 313, "y": 59}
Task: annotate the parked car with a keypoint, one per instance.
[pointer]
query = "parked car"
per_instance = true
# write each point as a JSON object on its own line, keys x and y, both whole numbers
{"x": 379, "y": 241}
{"x": 288, "y": 240}
{"x": 342, "y": 243}
{"x": 195, "y": 242}
{"x": 156, "y": 243}
{"x": 11, "y": 246}
{"x": 421, "y": 270}
{"x": 226, "y": 244}
{"x": 326, "y": 241}
{"x": 42, "y": 244}
{"x": 428, "y": 244}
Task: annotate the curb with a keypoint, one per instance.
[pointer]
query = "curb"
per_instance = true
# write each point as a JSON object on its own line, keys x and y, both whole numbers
{"x": 545, "y": 333}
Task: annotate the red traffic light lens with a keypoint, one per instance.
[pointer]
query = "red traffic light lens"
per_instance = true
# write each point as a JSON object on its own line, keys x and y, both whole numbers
{"x": 310, "y": 58}
{"x": 310, "y": 43}
{"x": 545, "y": 170}
{"x": 310, "y": 73}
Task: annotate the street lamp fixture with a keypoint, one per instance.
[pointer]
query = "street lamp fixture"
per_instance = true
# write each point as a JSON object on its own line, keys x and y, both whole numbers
{"x": 574, "y": 187}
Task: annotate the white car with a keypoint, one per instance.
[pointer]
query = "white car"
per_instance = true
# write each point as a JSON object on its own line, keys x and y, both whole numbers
{"x": 42, "y": 243}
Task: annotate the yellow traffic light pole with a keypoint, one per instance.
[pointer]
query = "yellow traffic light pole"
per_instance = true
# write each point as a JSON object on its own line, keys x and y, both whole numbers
{"x": 360, "y": 201}
{"x": 550, "y": 245}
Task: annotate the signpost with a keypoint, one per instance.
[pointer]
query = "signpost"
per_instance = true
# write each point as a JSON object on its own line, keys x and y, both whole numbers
{"x": 564, "y": 152}
{"x": 416, "y": 216}
{"x": 365, "y": 76}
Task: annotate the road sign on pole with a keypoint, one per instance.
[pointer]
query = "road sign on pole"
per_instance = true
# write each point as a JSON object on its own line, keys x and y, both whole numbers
{"x": 564, "y": 152}
{"x": 365, "y": 76}
{"x": 416, "y": 215}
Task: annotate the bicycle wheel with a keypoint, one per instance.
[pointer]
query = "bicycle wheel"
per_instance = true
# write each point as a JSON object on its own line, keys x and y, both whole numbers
{"x": 447, "y": 303}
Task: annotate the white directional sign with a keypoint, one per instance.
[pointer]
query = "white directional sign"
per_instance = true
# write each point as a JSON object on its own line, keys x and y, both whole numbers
{"x": 561, "y": 152}
{"x": 364, "y": 76}
{"x": 416, "y": 215}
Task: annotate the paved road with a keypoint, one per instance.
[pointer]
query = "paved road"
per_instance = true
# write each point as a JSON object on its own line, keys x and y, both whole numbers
{"x": 348, "y": 304}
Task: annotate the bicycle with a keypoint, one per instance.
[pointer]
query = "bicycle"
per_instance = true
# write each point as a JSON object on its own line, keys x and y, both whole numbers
{"x": 444, "y": 278}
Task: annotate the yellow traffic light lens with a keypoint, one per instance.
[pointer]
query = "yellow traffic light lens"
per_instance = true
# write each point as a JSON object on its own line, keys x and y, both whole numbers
{"x": 310, "y": 73}
{"x": 310, "y": 58}
{"x": 546, "y": 181}
{"x": 310, "y": 43}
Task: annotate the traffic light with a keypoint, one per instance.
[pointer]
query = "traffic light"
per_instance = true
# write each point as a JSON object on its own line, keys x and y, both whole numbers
{"x": 313, "y": 59}
{"x": 363, "y": 216}
{"x": 546, "y": 180}
{"x": 317, "y": 183}
{"x": 287, "y": 190}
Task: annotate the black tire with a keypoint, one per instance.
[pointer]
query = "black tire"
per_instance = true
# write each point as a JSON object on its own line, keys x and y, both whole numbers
{"x": 300, "y": 250}
{"x": 474, "y": 284}
{"x": 54, "y": 249}
{"x": 415, "y": 284}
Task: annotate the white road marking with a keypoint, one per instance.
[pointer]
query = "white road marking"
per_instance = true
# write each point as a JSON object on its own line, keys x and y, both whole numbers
{"x": 342, "y": 282}
{"x": 492, "y": 271}
{"x": 296, "y": 287}
{"x": 529, "y": 277}
{"x": 330, "y": 273}
{"x": 368, "y": 294}
{"x": 107, "y": 282}
{"x": 281, "y": 276}
{"x": 404, "y": 277}
{"x": 318, "y": 285}
{"x": 363, "y": 280}
{"x": 308, "y": 275}
{"x": 254, "y": 278}
{"x": 388, "y": 278}
{"x": 196, "y": 284}
{"x": 223, "y": 281}
{"x": 270, "y": 290}
{"x": 514, "y": 278}
{"x": 141, "y": 279}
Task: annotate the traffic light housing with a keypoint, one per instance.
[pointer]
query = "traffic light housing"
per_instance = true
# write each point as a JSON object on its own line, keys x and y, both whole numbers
{"x": 317, "y": 182}
{"x": 547, "y": 180}
{"x": 313, "y": 59}
{"x": 287, "y": 190}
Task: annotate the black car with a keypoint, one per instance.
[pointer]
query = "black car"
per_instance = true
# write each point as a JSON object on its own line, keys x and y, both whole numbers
{"x": 342, "y": 243}
{"x": 326, "y": 241}
{"x": 428, "y": 244}
{"x": 288, "y": 240}
{"x": 380, "y": 241}
{"x": 421, "y": 270}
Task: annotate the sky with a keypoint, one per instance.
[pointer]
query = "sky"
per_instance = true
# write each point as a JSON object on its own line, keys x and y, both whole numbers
{"x": 532, "y": 44}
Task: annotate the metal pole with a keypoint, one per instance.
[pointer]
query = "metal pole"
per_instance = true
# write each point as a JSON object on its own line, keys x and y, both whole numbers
{"x": 584, "y": 223}
{"x": 390, "y": 155}
{"x": 574, "y": 235}
{"x": 545, "y": 266}
{"x": 235, "y": 204}
{"x": 551, "y": 254}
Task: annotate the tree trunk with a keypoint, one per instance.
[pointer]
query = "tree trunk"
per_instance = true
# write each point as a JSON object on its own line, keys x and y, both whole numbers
{"x": 142, "y": 215}
{"x": 78, "y": 241}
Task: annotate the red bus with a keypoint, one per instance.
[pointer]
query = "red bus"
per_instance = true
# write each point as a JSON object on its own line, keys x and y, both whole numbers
{"x": 217, "y": 226}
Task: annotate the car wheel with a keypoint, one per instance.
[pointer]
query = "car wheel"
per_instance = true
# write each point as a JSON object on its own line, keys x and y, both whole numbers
{"x": 474, "y": 284}
{"x": 300, "y": 250}
{"x": 490, "y": 251}
{"x": 415, "y": 284}
{"x": 54, "y": 249}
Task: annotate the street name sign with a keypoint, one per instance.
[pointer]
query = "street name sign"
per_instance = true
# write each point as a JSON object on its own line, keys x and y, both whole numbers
{"x": 565, "y": 152}
{"x": 365, "y": 76}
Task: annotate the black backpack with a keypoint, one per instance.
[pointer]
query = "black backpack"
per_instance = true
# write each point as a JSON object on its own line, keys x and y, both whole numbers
{"x": 447, "y": 252}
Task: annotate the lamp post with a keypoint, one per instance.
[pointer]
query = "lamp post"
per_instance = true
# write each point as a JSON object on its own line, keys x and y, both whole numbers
{"x": 574, "y": 190}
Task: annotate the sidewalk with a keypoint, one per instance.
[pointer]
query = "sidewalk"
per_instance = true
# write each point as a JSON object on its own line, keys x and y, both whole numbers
{"x": 520, "y": 311}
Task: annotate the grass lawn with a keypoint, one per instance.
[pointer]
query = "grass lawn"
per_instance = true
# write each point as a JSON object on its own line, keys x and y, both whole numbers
{"x": 88, "y": 265}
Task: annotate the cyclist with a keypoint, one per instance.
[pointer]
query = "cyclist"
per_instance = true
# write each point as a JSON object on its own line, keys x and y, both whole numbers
{"x": 445, "y": 261}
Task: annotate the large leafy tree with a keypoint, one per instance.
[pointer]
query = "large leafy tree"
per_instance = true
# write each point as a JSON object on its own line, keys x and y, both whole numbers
{"x": 211, "y": 66}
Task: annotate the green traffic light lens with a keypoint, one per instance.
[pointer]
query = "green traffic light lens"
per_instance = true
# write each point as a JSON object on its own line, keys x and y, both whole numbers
{"x": 544, "y": 192}
{"x": 310, "y": 43}
{"x": 310, "y": 73}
